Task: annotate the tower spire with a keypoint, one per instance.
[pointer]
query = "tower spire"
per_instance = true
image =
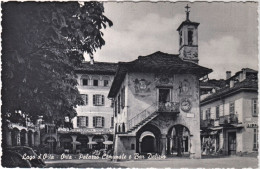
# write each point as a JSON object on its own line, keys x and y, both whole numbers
{"x": 187, "y": 12}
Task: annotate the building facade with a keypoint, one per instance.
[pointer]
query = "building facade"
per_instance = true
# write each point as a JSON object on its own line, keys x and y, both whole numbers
{"x": 229, "y": 116}
{"x": 156, "y": 100}
{"x": 92, "y": 128}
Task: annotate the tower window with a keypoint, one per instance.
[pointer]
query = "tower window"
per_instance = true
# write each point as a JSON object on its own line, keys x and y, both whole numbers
{"x": 190, "y": 37}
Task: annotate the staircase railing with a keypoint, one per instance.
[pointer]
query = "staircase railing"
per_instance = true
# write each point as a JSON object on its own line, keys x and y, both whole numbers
{"x": 142, "y": 116}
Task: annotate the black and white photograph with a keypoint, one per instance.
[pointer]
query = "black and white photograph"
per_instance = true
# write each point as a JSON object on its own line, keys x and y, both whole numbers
{"x": 109, "y": 84}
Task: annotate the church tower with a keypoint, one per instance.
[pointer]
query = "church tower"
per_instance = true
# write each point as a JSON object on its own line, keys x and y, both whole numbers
{"x": 188, "y": 39}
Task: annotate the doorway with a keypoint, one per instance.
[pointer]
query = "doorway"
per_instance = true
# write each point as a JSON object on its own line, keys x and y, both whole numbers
{"x": 148, "y": 144}
{"x": 232, "y": 143}
{"x": 164, "y": 95}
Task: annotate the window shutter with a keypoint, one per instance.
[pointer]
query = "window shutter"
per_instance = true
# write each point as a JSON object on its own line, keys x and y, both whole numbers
{"x": 86, "y": 99}
{"x": 94, "y": 99}
{"x": 103, "y": 100}
{"x": 115, "y": 105}
{"x": 94, "y": 121}
{"x": 118, "y": 99}
{"x": 112, "y": 121}
{"x": 78, "y": 121}
{"x": 86, "y": 121}
{"x": 103, "y": 121}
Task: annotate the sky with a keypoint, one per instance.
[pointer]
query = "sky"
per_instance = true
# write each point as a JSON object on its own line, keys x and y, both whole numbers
{"x": 227, "y": 33}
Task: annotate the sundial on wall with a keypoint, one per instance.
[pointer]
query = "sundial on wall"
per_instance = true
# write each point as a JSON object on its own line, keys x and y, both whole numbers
{"x": 185, "y": 105}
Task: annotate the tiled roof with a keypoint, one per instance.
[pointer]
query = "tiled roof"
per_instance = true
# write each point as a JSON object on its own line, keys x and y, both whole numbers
{"x": 213, "y": 83}
{"x": 187, "y": 22}
{"x": 157, "y": 62}
{"x": 97, "y": 67}
{"x": 248, "y": 84}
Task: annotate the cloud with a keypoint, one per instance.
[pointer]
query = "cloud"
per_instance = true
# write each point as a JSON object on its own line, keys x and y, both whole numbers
{"x": 142, "y": 36}
{"x": 222, "y": 54}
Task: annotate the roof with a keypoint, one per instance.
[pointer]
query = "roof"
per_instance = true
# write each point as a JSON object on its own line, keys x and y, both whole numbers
{"x": 247, "y": 70}
{"x": 97, "y": 68}
{"x": 247, "y": 84}
{"x": 157, "y": 62}
{"x": 213, "y": 83}
{"x": 187, "y": 22}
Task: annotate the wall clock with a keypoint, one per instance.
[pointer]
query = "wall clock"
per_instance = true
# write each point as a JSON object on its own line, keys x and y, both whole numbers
{"x": 185, "y": 105}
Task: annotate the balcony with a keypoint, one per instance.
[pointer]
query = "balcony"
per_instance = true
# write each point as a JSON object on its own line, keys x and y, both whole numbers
{"x": 169, "y": 107}
{"x": 207, "y": 123}
{"x": 228, "y": 119}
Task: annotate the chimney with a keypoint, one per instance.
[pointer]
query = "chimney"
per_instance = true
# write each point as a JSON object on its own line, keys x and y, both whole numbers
{"x": 91, "y": 59}
{"x": 228, "y": 74}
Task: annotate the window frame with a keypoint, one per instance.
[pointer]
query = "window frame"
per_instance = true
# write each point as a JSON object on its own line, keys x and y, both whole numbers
{"x": 255, "y": 139}
{"x": 217, "y": 112}
{"x": 98, "y": 119}
{"x": 255, "y": 107}
{"x": 98, "y": 100}
{"x": 232, "y": 108}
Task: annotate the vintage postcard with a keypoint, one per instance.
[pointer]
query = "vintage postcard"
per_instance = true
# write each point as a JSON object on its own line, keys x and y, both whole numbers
{"x": 129, "y": 84}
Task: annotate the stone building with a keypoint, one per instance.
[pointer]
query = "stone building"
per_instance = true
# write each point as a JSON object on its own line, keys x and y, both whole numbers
{"x": 156, "y": 100}
{"x": 229, "y": 115}
{"x": 93, "y": 126}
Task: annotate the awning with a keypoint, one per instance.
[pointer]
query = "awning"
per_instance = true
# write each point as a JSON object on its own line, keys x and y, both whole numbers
{"x": 238, "y": 125}
{"x": 216, "y": 128}
{"x": 108, "y": 142}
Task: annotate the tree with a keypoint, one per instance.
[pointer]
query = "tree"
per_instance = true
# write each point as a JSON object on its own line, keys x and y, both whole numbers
{"x": 42, "y": 44}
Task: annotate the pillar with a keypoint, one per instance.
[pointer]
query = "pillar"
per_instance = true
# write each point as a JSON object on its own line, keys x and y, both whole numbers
{"x": 58, "y": 141}
{"x": 32, "y": 138}
{"x": 18, "y": 138}
{"x": 163, "y": 143}
{"x": 74, "y": 145}
{"x": 26, "y": 138}
{"x": 140, "y": 145}
{"x": 90, "y": 138}
{"x": 37, "y": 139}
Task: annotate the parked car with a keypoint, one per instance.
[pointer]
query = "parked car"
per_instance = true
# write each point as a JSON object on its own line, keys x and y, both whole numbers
{"x": 12, "y": 159}
{"x": 36, "y": 162}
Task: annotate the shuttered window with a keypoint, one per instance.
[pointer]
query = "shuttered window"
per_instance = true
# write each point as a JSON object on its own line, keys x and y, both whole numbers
{"x": 255, "y": 146}
{"x": 254, "y": 107}
{"x": 232, "y": 108}
{"x": 98, "y": 100}
{"x": 118, "y": 102}
{"x": 85, "y": 98}
{"x": 112, "y": 122}
{"x": 123, "y": 97}
{"x": 98, "y": 121}
{"x": 217, "y": 112}
{"x": 115, "y": 109}
{"x": 82, "y": 121}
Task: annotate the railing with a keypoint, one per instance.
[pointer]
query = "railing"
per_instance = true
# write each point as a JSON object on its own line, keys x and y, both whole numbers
{"x": 142, "y": 116}
{"x": 169, "y": 107}
{"x": 228, "y": 119}
{"x": 207, "y": 123}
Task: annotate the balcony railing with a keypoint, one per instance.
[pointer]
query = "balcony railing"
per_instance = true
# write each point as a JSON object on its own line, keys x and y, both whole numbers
{"x": 169, "y": 107}
{"x": 228, "y": 119}
{"x": 207, "y": 123}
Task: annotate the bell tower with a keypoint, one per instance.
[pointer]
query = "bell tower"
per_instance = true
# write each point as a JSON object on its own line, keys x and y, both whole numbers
{"x": 188, "y": 39}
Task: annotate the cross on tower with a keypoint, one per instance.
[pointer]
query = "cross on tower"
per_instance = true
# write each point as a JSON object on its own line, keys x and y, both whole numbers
{"x": 187, "y": 12}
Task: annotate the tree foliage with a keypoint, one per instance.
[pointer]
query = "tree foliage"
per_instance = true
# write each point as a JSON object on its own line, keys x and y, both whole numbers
{"x": 41, "y": 45}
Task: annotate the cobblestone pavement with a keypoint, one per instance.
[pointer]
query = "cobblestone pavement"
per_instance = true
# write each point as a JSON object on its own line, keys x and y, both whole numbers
{"x": 226, "y": 162}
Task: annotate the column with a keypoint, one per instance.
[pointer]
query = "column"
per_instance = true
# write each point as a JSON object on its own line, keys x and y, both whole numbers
{"x": 37, "y": 139}
{"x": 18, "y": 138}
{"x": 58, "y": 141}
{"x": 32, "y": 138}
{"x": 74, "y": 145}
{"x": 163, "y": 143}
{"x": 26, "y": 138}
{"x": 140, "y": 145}
{"x": 8, "y": 137}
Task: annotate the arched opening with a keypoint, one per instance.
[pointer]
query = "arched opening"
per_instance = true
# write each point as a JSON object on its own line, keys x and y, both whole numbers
{"x": 23, "y": 136}
{"x": 119, "y": 129}
{"x": 30, "y": 138}
{"x": 65, "y": 142}
{"x": 148, "y": 140}
{"x": 83, "y": 147}
{"x": 99, "y": 140}
{"x": 51, "y": 144}
{"x": 15, "y": 134}
{"x": 178, "y": 140}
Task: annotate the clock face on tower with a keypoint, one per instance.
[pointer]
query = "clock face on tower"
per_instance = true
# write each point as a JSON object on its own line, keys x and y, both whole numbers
{"x": 185, "y": 105}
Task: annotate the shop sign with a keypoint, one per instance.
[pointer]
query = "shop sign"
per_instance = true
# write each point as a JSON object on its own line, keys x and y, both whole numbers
{"x": 252, "y": 125}
{"x": 86, "y": 131}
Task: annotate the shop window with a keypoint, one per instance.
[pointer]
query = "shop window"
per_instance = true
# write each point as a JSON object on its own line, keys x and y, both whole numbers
{"x": 232, "y": 108}
{"x": 255, "y": 146}
{"x": 98, "y": 121}
{"x": 85, "y": 99}
{"x": 217, "y": 112}
{"x": 98, "y": 100}
{"x": 254, "y": 107}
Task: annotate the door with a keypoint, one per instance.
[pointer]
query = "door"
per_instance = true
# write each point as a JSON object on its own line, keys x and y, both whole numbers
{"x": 164, "y": 98}
{"x": 232, "y": 143}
